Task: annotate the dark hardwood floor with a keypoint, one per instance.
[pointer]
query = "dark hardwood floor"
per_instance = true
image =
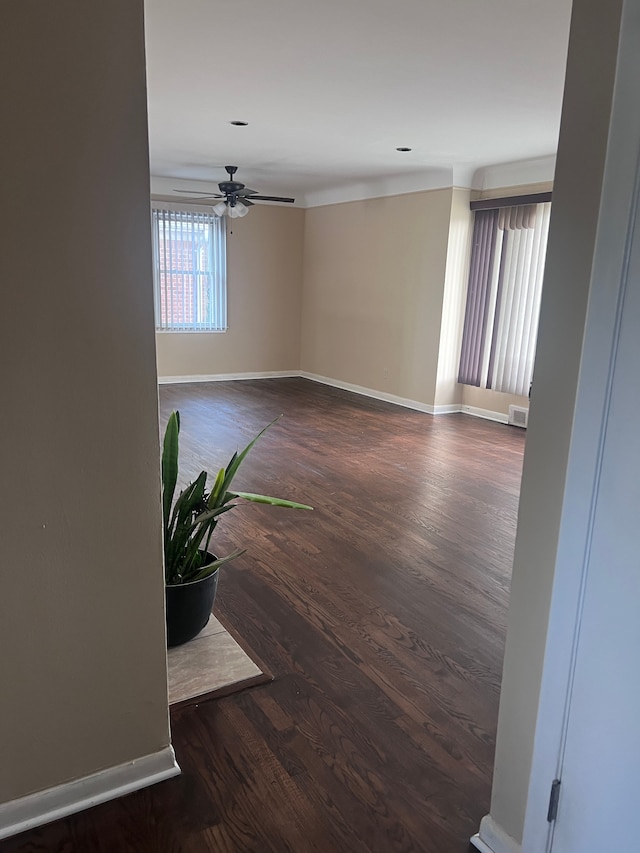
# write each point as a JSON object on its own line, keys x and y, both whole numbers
{"x": 381, "y": 616}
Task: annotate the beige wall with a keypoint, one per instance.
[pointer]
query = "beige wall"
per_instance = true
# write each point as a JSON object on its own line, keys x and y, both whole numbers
{"x": 374, "y": 275}
{"x": 370, "y": 293}
{"x": 82, "y": 666}
{"x": 264, "y": 270}
{"x": 448, "y": 391}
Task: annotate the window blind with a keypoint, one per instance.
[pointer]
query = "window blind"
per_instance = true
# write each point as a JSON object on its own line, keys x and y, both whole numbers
{"x": 476, "y": 314}
{"x": 503, "y": 297}
{"x": 189, "y": 252}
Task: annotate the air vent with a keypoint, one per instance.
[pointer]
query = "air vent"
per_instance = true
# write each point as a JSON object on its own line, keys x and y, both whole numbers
{"x": 518, "y": 416}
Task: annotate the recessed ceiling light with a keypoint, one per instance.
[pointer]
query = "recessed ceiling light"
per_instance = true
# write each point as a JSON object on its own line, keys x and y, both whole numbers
{"x": 403, "y": 149}
{"x": 239, "y": 123}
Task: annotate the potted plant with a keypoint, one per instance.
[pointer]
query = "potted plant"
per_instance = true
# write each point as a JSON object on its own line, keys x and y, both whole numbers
{"x": 191, "y": 570}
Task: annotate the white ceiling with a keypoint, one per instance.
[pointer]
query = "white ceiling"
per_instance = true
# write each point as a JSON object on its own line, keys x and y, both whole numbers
{"x": 331, "y": 88}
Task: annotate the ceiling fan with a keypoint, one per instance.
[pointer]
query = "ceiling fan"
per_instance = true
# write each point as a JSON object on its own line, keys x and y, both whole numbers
{"x": 236, "y": 199}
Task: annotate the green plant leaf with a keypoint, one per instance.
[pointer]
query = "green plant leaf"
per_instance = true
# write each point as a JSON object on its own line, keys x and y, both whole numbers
{"x": 217, "y": 487}
{"x": 212, "y": 513}
{"x": 190, "y": 521}
{"x": 265, "y": 499}
{"x": 169, "y": 466}
{"x": 238, "y": 458}
{"x": 210, "y": 568}
{"x": 188, "y": 503}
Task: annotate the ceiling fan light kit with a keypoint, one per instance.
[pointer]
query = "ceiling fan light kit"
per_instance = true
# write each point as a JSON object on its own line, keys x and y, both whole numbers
{"x": 236, "y": 212}
{"x": 235, "y": 198}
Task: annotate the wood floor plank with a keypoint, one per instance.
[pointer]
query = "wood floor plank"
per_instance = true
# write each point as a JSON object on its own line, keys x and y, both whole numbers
{"x": 381, "y": 616}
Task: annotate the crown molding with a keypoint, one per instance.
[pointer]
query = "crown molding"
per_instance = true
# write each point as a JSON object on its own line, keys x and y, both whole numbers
{"x": 520, "y": 173}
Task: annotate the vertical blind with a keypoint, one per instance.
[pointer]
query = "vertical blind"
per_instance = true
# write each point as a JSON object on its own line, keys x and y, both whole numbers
{"x": 503, "y": 297}
{"x": 477, "y": 311}
{"x": 189, "y": 252}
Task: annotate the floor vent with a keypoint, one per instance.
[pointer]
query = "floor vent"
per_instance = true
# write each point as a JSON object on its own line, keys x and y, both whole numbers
{"x": 518, "y": 416}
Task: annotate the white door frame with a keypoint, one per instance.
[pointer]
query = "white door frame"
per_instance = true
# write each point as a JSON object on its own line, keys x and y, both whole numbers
{"x": 618, "y": 212}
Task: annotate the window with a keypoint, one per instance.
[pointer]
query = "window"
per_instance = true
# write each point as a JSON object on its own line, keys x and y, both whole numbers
{"x": 189, "y": 271}
{"x": 503, "y": 297}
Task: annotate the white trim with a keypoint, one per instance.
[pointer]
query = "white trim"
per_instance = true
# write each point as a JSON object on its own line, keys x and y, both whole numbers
{"x": 519, "y": 173}
{"x": 323, "y": 380}
{"x": 449, "y": 409}
{"x": 522, "y": 172}
{"x": 378, "y": 395}
{"x": 493, "y": 839}
{"x": 487, "y": 414}
{"x": 479, "y": 844}
{"x": 618, "y": 207}
{"x": 62, "y": 800}
{"x": 226, "y": 377}
{"x": 416, "y": 405}
{"x": 422, "y": 181}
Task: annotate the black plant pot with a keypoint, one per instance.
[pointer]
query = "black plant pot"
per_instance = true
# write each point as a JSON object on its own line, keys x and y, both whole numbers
{"x": 189, "y": 607}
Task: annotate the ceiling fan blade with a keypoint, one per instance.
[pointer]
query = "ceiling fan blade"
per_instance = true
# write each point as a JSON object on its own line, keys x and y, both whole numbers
{"x": 202, "y": 195}
{"x": 246, "y": 191}
{"x": 272, "y": 198}
{"x": 245, "y": 202}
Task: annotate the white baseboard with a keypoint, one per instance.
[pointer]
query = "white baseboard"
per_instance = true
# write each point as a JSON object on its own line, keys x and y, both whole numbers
{"x": 378, "y": 395}
{"x": 480, "y": 845}
{"x": 487, "y": 414}
{"x": 416, "y": 405}
{"x": 449, "y": 409}
{"x": 62, "y": 800}
{"x": 493, "y": 839}
{"x": 226, "y": 377}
